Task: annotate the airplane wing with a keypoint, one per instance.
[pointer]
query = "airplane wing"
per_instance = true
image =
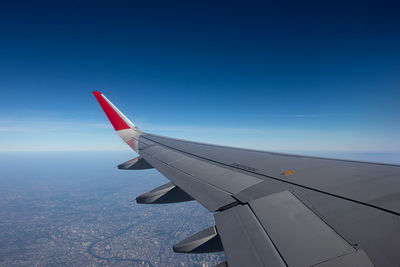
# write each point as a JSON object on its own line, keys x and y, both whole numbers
{"x": 273, "y": 209}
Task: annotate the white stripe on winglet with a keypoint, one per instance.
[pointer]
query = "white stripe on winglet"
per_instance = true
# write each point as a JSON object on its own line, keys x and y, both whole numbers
{"x": 119, "y": 113}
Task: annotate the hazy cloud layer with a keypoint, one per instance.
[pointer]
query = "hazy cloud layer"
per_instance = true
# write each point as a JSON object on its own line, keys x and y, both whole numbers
{"x": 52, "y": 134}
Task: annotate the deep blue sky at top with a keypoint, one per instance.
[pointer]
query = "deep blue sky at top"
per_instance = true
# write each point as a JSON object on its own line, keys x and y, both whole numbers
{"x": 287, "y": 74}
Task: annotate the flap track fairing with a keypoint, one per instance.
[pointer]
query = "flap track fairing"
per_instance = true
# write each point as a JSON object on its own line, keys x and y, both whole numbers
{"x": 167, "y": 193}
{"x": 205, "y": 241}
{"x": 138, "y": 163}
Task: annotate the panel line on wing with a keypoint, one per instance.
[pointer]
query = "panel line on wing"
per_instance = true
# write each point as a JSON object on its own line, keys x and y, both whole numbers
{"x": 186, "y": 173}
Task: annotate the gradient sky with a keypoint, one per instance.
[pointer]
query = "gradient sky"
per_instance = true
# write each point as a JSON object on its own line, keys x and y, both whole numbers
{"x": 281, "y": 75}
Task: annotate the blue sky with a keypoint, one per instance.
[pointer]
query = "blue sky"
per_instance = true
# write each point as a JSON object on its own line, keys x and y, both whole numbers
{"x": 278, "y": 76}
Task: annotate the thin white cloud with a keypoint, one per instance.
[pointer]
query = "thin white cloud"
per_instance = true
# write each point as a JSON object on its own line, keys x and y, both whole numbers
{"x": 308, "y": 115}
{"x": 299, "y": 115}
{"x": 44, "y": 125}
{"x": 13, "y": 129}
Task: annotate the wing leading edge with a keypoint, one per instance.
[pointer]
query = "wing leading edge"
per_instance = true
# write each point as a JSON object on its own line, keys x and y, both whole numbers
{"x": 274, "y": 209}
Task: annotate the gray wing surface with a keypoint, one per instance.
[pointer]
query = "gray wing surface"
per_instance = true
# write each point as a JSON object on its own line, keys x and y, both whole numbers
{"x": 273, "y": 209}
{"x": 285, "y": 210}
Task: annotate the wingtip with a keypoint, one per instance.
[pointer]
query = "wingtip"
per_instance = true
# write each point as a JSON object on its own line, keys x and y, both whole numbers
{"x": 117, "y": 119}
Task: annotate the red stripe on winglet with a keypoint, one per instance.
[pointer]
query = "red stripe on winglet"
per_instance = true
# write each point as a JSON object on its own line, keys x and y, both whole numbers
{"x": 115, "y": 119}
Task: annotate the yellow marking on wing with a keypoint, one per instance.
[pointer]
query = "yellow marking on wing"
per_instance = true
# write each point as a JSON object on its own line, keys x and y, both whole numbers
{"x": 288, "y": 172}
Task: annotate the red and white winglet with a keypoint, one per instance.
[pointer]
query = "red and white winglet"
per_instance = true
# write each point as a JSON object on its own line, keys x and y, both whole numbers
{"x": 124, "y": 127}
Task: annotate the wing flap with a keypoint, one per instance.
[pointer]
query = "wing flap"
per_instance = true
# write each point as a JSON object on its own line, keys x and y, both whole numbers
{"x": 204, "y": 181}
{"x": 358, "y": 258}
{"x": 244, "y": 240}
{"x": 302, "y": 238}
{"x": 209, "y": 196}
{"x": 206, "y": 171}
{"x": 221, "y": 177}
{"x": 279, "y": 230}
